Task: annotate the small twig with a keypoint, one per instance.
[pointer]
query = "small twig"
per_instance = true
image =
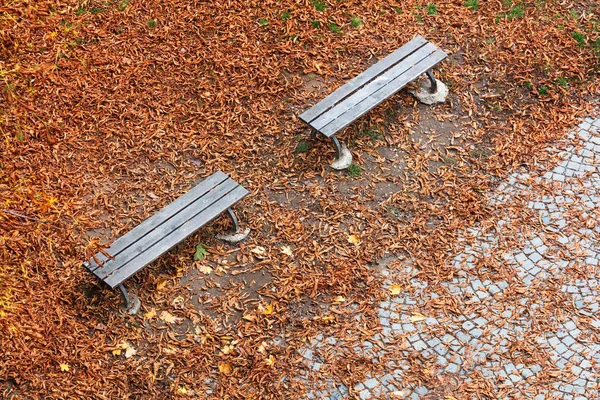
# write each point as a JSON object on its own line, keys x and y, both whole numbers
{"x": 30, "y": 218}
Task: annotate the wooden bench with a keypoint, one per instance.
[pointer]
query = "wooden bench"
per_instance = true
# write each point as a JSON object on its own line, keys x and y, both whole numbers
{"x": 159, "y": 233}
{"x": 370, "y": 88}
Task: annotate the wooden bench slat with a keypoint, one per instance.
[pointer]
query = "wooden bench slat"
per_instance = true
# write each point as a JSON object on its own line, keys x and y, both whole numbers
{"x": 382, "y": 94}
{"x": 410, "y": 63}
{"x": 355, "y": 83}
{"x": 168, "y": 242}
{"x": 152, "y": 222}
{"x": 169, "y": 226}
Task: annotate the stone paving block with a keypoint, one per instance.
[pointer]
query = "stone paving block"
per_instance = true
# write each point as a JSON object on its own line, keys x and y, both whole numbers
{"x": 452, "y": 368}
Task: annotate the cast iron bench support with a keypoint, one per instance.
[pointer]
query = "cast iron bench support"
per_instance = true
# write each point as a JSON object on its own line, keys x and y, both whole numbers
{"x": 162, "y": 231}
{"x": 372, "y": 87}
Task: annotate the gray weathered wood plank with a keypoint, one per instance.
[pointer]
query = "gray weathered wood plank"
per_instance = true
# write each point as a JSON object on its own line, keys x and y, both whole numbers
{"x": 376, "y": 98}
{"x": 165, "y": 213}
{"x": 169, "y": 226}
{"x": 157, "y": 249}
{"x": 361, "y": 79}
{"x": 404, "y": 67}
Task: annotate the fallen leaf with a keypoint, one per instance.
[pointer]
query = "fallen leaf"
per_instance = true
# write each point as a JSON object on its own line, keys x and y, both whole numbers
{"x": 169, "y": 350}
{"x": 354, "y": 239}
{"x": 259, "y": 252}
{"x": 416, "y": 317}
{"x": 201, "y": 252}
{"x": 395, "y": 289}
{"x": 339, "y": 299}
{"x": 225, "y": 368}
{"x": 178, "y": 303}
{"x": 161, "y": 285}
{"x": 116, "y": 352}
{"x": 287, "y": 250}
{"x": 182, "y": 390}
{"x": 168, "y": 317}
{"x": 262, "y": 347}
{"x": 150, "y": 314}
{"x": 250, "y": 318}
{"x": 205, "y": 269}
{"x": 227, "y": 349}
{"x": 129, "y": 349}
{"x": 64, "y": 367}
{"x": 268, "y": 310}
{"x": 270, "y": 360}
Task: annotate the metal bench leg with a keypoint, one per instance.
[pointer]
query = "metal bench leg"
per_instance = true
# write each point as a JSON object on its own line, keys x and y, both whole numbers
{"x": 433, "y": 88}
{"x": 132, "y": 303}
{"x": 234, "y": 219}
{"x": 125, "y": 296}
{"x": 338, "y": 147}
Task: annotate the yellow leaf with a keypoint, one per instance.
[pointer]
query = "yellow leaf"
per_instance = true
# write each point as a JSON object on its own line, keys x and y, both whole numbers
{"x": 268, "y": 310}
{"x": 205, "y": 269}
{"x": 169, "y": 350}
{"x": 161, "y": 285}
{"x": 225, "y": 368}
{"x": 287, "y": 250}
{"x": 262, "y": 347}
{"x": 150, "y": 314}
{"x": 270, "y": 360}
{"x": 339, "y": 299}
{"x": 171, "y": 319}
{"x": 116, "y": 352}
{"x": 328, "y": 318}
{"x": 416, "y": 317}
{"x": 395, "y": 289}
{"x": 182, "y": 390}
{"x": 354, "y": 239}
{"x": 64, "y": 367}
{"x": 227, "y": 349}
{"x": 129, "y": 350}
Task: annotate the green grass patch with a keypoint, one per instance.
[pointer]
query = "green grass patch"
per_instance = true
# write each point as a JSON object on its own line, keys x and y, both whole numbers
{"x": 528, "y": 84}
{"x": 373, "y": 133}
{"x": 122, "y": 5}
{"x": 543, "y": 90}
{"x": 302, "y": 147}
{"x": 579, "y": 38}
{"x": 562, "y": 82}
{"x": 152, "y": 23}
{"x": 448, "y": 159}
{"x": 320, "y": 5}
{"x": 431, "y": 9}
{"x": 472, "y": 4}
{"x": 315, "y": 24}
{"x": 82, "y": 10}
{"x": 354, "y": 170}
{"x": 334, "y": 28}
{"x": 286, "y": 15}
{"x": 517, "y": 12}
{"x": 263, "y": 22}
{"x": 355, "y": 22}
{"x": 480, "y": 152}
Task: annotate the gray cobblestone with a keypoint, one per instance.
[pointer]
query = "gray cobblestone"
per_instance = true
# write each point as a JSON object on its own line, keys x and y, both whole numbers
{"x": 484, "y": 345}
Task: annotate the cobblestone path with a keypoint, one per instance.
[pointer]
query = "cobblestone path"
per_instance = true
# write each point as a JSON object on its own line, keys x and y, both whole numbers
{"x": 501, "y": 335}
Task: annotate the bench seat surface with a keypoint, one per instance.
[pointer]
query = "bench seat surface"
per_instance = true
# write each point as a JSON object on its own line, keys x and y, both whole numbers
{"x": 373, "y": 86}
{"x": 169, "y": 226}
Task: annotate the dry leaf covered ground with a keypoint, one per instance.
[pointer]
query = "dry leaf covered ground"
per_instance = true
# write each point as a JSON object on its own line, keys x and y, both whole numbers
{"x": 111, "y": 109}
